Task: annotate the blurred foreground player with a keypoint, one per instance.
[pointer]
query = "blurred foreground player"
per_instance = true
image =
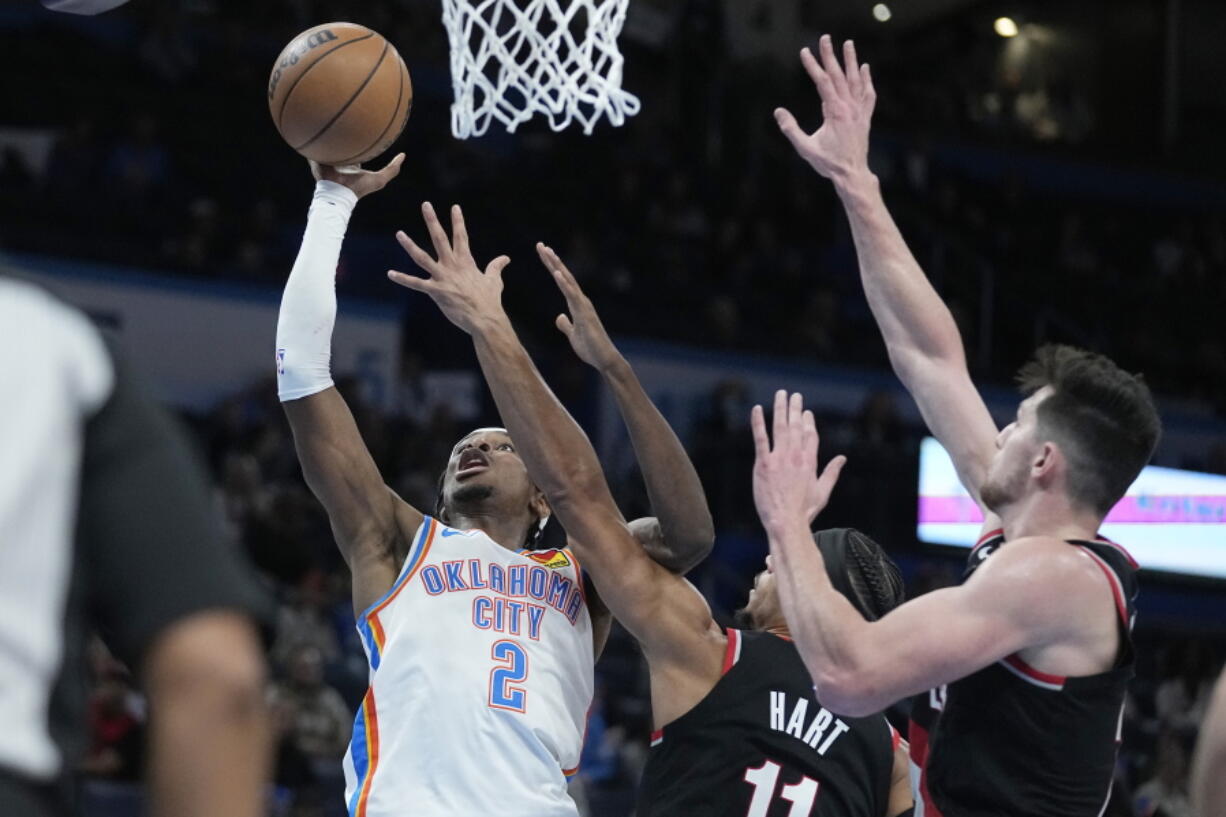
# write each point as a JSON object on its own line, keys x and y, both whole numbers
{"x": 105, "y": 522}
{"x": 481, "y": 644}
{"x": 1035, "y": 645}
{"x": 1209, "y": 765}
{"x": 739, "y": 730}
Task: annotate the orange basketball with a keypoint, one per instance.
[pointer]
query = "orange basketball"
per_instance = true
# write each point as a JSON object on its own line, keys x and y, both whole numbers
{"x": 339, "y": 94}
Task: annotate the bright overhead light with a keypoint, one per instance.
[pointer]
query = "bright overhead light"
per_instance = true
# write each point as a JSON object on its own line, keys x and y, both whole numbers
{"x": 1005, "y": 27}
{"x": 882, "y": 12}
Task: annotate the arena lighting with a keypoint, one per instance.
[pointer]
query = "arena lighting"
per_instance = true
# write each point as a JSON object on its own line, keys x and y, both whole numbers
{"x": 1005, "y": 27}
{"x": 1171, "y": 519}
{"x": 882, "y": 13}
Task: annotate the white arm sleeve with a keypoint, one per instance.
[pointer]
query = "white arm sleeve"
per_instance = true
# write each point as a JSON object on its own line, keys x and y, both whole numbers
{"x": 308, "y": 307}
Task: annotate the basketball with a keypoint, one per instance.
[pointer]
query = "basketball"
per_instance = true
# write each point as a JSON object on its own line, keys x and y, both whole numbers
{"x": 339, "y": 94}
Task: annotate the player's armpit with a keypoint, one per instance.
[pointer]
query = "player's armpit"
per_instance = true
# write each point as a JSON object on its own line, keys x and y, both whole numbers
{"x": 371, "y": 524}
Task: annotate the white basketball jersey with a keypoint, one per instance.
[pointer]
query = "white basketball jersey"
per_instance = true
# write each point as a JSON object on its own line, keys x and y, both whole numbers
{"x": 480, "y": 683}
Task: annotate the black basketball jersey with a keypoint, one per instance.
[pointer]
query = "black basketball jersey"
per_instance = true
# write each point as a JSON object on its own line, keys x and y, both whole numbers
{"x": 1010, "y": 740}
{"x": 761, "y": 745}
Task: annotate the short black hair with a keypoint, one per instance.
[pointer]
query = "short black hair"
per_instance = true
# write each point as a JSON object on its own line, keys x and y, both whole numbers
{"x": 861, "y": 570}
{"x": 1103, "y": 418}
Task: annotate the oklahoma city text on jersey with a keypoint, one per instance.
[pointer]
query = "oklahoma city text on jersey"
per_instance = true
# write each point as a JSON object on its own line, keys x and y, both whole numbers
{"x": 481, "y": 677}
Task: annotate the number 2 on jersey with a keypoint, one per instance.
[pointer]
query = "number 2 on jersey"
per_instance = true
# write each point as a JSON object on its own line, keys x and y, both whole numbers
{"x": 512, "y": 669}
{"x": 763, "y": 778}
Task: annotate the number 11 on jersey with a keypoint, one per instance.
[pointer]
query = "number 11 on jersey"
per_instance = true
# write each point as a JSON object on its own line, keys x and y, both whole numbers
{"x": 764, "y": 778}
{"x": 511, "y": 668}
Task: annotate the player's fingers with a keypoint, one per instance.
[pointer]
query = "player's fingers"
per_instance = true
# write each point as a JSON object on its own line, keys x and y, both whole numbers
{"x": 780, "y": 418}
{"x": 558, "y": 271}
{"x": 808, "y": 436}
{"x": 411, "y": 281}
{"x": 830, "y": 474}
{"x": 564, "y": 325}
{"x": 796, "y": 407}
{"x": 495, "y": 267}
{"x": 761, "y": 443}
{"x": 571, "y": 287}
{"x": 867, "y": 90}
{"x": 830, "y": 64}
{"x": 419, "y": 256}
{"x": 825, "y": 85}
{"x": 438, "y": 236}
{"x": 788, "y": 125}
{"x": 459, "y": 232}
{"x": 812, "y": 67}
{"x": 573, "y": 297}
{"x": 392, "y": 169}
{"x": 851, "y": 66}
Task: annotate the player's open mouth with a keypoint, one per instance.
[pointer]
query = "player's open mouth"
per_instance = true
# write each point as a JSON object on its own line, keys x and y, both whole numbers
{"x": 472, "y": 461}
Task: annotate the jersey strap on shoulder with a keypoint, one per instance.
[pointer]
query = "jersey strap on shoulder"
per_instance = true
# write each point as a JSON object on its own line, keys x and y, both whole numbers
{"x": 732, "y": 653}
{"x": 369, "y": 626}
{"x": 1113, "y": 580}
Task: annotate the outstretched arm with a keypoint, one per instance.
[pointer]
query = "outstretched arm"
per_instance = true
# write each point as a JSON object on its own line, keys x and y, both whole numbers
{"x": 681, "y": 533}
{"x": 658, "y": 607}
{"x": 371, "y": 524}
{"x": 921, "y": 337}
{"x": 1029, "y": 594}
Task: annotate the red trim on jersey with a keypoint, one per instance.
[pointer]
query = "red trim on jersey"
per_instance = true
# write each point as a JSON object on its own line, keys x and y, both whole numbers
{"x": 1105, "y": 541}
{"x": 372, "y": 750}
{"x": 657, "y": 736}
{"x": 1117, "y": 589}
{"x": 733, "y": 651}
{"x": 895, "y": 737}
{"x": 918, "y": 738}
{"x": 992, "y": 534}
{"x": 1030, "y": 672}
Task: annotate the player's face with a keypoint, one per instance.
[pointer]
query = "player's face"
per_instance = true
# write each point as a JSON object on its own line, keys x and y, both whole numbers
{"x": 485, "y": 464}
{"x": 1017, "y": 444}
{"x": 763, "y": 608}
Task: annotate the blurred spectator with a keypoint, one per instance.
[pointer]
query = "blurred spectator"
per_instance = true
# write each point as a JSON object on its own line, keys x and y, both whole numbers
{"x": 1183, "y": 696}
{"x": 319, "y": 723}
{"x": 1165, "y": 794}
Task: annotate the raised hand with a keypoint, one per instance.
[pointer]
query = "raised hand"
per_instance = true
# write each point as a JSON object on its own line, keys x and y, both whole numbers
{"x": 361, "y": 182}
{"x": 582, "y": 328}
{"x": 465, "y": 294}
{"x": 786, "y": 487}
{"x": 840, "y": 146}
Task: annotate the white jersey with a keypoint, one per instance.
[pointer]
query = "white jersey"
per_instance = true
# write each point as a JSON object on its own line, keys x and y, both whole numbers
{"x": 480, "y": 682}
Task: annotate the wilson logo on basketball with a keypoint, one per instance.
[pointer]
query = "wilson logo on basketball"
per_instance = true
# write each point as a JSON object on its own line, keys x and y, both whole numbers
{"x": 292, "y": 57}
{"x": 554, "y": 559}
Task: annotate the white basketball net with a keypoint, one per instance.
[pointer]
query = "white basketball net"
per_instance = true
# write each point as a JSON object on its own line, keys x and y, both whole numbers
{"x": 511, "y": 59}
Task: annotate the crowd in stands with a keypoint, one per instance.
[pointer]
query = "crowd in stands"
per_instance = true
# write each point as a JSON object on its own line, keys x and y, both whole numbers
{"x": 697, "y": 204}
{"x": 697, "y": 208}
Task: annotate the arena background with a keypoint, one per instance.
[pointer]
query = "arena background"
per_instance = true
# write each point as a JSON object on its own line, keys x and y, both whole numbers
{"x": 1064, "y": 184}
